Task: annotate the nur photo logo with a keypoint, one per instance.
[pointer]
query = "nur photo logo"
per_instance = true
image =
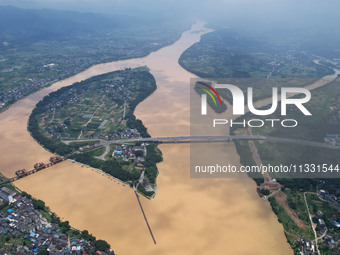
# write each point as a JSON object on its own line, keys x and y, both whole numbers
{"x": 241, "y": 102}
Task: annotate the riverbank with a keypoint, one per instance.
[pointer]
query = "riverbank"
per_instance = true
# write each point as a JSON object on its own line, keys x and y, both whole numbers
{"x": 288, "y": 204}
{"x": 50, "y": 232}
{"x": 61, "y": 114}
{"x": 30, "y": 62}
{"x": 188, "y": 216}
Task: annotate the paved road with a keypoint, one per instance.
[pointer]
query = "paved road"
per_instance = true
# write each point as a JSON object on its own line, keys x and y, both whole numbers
{"x": 210, "y": 139}
{"x": 324, "y": 234}
{"x": 107, "y": 150}
{"x": 257, "y": 157}
{"x": 312, "y": 224}
{"x": 203, "y": 139}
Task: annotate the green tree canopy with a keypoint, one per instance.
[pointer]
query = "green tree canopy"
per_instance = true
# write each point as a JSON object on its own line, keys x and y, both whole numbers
{"x": 101, "y": 245}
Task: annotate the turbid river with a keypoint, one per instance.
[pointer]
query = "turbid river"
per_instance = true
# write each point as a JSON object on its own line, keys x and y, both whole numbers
{"x": 188, "y": 216}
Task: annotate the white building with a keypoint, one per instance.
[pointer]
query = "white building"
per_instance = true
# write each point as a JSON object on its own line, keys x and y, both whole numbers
{"x": 7, "y": 194}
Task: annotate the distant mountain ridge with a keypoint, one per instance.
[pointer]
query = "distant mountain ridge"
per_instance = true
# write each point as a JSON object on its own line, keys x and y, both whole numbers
{"x": 25, "y": 24}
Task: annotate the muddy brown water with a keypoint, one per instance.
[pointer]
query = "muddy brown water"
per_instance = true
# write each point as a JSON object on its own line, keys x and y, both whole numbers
{"x": 188, "y": 216}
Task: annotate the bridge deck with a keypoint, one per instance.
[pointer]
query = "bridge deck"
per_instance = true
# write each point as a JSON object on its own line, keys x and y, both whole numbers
{"x": 210, "y": 139}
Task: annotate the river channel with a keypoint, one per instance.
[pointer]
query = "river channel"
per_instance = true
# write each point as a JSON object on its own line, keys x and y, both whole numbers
{"x": 188, "y": 216}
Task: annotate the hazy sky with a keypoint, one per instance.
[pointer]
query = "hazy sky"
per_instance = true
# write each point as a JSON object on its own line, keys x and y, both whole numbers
{"x": 216, "y": 5}
{"x": 267, "y": 12}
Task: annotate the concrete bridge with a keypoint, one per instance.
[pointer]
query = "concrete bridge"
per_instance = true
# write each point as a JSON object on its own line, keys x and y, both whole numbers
{"x": 209, "y": 139}
{"x": 170, "y": 139}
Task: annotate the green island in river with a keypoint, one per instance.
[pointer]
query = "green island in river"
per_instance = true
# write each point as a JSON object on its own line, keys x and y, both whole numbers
{"x": 92, "y": 91}
{"x": 71, "y": 121}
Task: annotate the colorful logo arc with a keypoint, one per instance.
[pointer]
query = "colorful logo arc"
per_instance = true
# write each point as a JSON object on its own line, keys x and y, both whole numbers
{"x": 209, "y": 93}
